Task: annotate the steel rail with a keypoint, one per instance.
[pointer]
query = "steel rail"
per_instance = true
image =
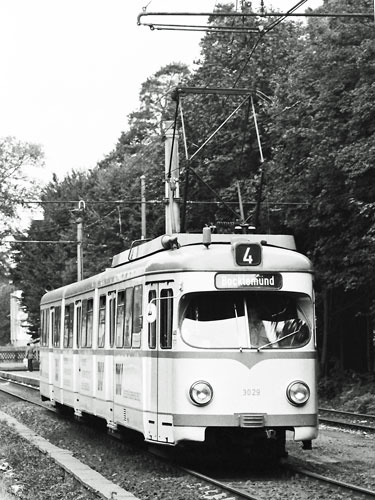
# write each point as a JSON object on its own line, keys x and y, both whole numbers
{"x": 291, "y": 468}
{"x": 346, "y": 424}
{"x": 348, "y": 413}
{"x": 24, "y": 398}
{"x": 224, "y": 486}
{"x": 215, "y": 482}
{"x": 113, "y": 435}
{"x": 336, "y": 482}
{"x": 221, "y": 485}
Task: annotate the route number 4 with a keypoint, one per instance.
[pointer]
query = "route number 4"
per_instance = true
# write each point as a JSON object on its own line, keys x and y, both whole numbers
{"x": 248, "y": 257}
{"x": 248, "y": 254}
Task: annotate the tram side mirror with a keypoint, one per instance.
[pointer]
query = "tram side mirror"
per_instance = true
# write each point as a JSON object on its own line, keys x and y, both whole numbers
{"x": 151, "y": 312}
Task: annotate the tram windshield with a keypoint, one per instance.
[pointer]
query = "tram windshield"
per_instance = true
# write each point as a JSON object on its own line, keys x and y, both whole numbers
{"x": 260, "y": 320}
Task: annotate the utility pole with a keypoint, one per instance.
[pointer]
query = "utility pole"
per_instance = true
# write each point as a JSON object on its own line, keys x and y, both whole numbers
{"x": 79, "y": 213}
{"x": 143, "y": 206}
{"x": 172, "y": 173}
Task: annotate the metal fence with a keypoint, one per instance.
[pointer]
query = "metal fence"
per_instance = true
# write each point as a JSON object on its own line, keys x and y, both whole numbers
{"x": 15, "y": 354}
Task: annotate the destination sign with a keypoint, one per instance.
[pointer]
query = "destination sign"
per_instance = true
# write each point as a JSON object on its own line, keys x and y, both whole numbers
{"x": 258, "y": 281}
{"x": 248, "y": 254}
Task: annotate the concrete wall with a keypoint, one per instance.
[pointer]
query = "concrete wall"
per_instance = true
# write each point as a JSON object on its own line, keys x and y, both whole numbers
{"x": 18, "y": 333}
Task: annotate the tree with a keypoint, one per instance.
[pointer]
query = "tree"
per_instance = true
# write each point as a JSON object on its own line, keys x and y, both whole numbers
{"x": 16, "y": 159}
{"x": 316, "y": 121}
{"x": 156, "y": 106}
{"x": 232, "y": 158}
{"x": 323, "y": 133}
{"x": 5, "y": 291}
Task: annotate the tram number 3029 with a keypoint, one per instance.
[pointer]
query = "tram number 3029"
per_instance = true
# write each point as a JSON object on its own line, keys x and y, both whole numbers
{"x": 250, "y": 392}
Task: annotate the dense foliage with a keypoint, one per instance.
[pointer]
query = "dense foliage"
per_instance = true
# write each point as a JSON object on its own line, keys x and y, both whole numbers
{"x": 5, "y": 293}
{"x": 313, "y": 88}
{"x": 16, "y": 159}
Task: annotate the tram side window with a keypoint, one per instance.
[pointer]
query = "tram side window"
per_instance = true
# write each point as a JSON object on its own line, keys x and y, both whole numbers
{"x": 137, "y": 315}
{"x": 56, "y": 322}
{"x": 152, "y": 326}
{"x": 120, "y": 317}
{"x": 89, "y": 322}
{"x": 82, "y": 333}
{"x": 45, "y": 328}
{"x": 128, "y": 317}
{"x": 166, "y": 318}
{"x": 86, "y": 325}
{"x": 101, "y": 326}
{"x": 68, "y": 325}
{"x": 112, "y": 317}
{"x": 78, "y": 322}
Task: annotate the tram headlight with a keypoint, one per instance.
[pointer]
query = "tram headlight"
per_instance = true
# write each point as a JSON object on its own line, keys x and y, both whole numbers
{"x": 201, "y": 393}
{"x": 298, "y": 393}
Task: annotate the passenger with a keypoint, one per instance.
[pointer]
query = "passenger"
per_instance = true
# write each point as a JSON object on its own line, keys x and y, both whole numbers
{"x": 258, "y": 334}
{"x": 29, "y": 356}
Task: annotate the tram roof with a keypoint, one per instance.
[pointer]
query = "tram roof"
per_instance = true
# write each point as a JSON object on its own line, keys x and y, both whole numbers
{"x": 186, "y": 239}
{"x": 280, "y": 256}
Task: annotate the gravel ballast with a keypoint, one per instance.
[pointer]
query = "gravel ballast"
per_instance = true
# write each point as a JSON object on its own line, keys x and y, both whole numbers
{"x": 346, "y": 455}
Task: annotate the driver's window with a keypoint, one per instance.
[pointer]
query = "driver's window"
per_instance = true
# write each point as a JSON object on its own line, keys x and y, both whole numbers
{"x": 277, "y": 321}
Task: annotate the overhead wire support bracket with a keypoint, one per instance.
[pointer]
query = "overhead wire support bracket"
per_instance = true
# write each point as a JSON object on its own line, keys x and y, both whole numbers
{"x": 175, "y": 96}
{"x": 209, "y": 91}
{"x": 181, "y": 91}
{"x": 242, "y": 29}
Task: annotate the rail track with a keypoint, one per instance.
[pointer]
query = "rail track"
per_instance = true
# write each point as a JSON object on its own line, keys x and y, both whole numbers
{"x": 250, "y": 485}
{"x": 18, "y": 390}
{"x": 348, "y": 420}
{"x": 97, "y": 485}
{"x": 263, "y": 485}
{"x": 343, "y": 419}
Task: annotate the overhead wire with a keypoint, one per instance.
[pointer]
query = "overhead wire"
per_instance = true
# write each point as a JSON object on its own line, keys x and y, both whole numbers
{"x": 233, "y": 29}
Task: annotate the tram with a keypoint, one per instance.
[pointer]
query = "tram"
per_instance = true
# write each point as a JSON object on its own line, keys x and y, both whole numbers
{"x": 189, "y": 338}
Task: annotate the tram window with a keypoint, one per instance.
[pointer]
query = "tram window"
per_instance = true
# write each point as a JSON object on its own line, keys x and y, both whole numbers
{"x": 89, "y": 322}
{"x": 68, "y": 325}
{"x": 128, "y": 317}
{"x": 45, "y": 328}
{"x": 152, "y": 326}
{"x": 101, "y": 326}
{"x": 137, "y": 316}
{"x": 120, "y": 316}
{"x": 166, "y": 318}
{"x": 112, "y": 316}
{"x": 83, "y": 324}
{"x": 247, "y": 319}
{"x": 52, "y": 316}
{"x": 78, "y": 322}
{"x": 56, "y": 322}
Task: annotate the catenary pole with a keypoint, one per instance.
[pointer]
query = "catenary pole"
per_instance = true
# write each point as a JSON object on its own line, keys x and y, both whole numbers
{"x": 143, "y": 206}
{"x": 172, "y": 188}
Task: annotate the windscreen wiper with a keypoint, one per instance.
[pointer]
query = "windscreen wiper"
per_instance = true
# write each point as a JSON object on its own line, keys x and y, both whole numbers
{"x": 278, "y": 340}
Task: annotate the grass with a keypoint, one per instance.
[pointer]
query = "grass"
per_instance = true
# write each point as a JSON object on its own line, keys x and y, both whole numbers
{"x": 34, "y": 474}
{"x": 349, "y": 392}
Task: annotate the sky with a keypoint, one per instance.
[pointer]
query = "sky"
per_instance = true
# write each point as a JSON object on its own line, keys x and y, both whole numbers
{"x": 71, "y": 70}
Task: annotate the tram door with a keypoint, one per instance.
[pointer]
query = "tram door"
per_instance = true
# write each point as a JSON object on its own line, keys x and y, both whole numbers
{"x": 160, "y": 321}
